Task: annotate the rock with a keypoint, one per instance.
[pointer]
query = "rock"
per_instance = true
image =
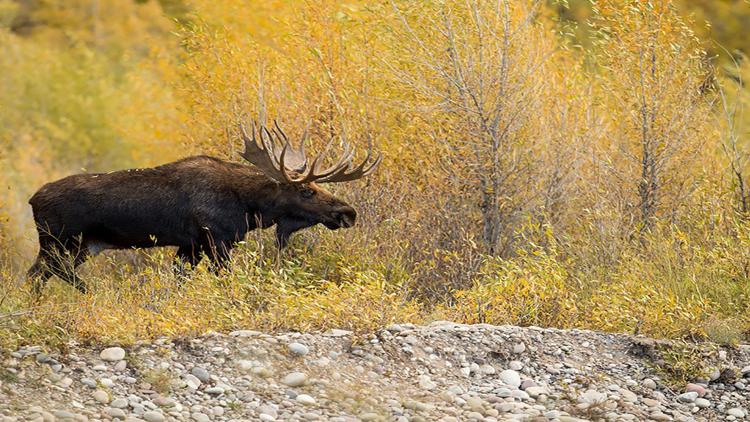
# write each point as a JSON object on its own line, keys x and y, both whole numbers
{"x": 475, "y": 403}
{"x": 200, "y": 417}
{"x": 688, "y": 397}
{"x": 511, "y": 378}
{"x": 696, "y": 388}
{"x": 651, "y": 402}
{"x": 266, "y": 417}
{"x": 475, "y": 416}
{"x": 153, "y": 416}
{"x": 119, "y": 403}
{"x": 115, "y": 413}
{"x": 369, "y": 417}
{"x": 702, "y": 403}
{"x": 628, "y": 395}
{"x": 162, "y": 401}
{"x": 737, "y": 412}
{"x": 295, "y": 379}
{"x": 201, "y": 374}
{"x": 503, "y": 392}
{"x": 519, "y": 348}
{"x": 298, "y": 349}
{"x": 592, "y": 397}
{"x": 101, "y": 396}
{"x": 268, "y": 410}
{"x": 425, "y": 383}
{"x": 649, "y": 384}
{"x": 215, "y": 391}
{"x": 192, "y": 381}
{"x": 112, "y": 354}
{"x": 245, "y": 333}
{"x": 527, "y": 383}
{"x": 536, "y": 391}
{"x": 88, "y": 382}
{"x": 305, "y": 399}
{"x": 63, "y": 414}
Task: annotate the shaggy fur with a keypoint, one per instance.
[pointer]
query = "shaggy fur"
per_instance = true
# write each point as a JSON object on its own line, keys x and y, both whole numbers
{"x": 199, "y": 204}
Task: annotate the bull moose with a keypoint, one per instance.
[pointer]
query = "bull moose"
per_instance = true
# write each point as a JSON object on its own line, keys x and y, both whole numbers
{"x": 200, "y": 204}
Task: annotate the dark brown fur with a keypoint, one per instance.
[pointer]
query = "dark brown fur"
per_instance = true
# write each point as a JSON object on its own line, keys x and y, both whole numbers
{"x": 199, "y": 204}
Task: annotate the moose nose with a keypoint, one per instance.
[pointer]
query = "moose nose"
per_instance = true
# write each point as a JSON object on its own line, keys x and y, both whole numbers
{"x": 347, "y": 216}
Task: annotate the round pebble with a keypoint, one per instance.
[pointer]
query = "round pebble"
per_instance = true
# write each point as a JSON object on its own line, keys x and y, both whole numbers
{"x": 295, "y": 379}
{"x": 298, "y": 349}
{"x": 112, "y": 354}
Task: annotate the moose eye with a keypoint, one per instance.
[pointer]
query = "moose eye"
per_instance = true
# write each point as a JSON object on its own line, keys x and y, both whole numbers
{"x": 308, "y": 193}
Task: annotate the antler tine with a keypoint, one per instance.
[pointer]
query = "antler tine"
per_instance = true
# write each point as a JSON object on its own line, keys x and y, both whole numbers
{"x": 296, "y": 157}
{"x": 282, "y": 164}
{"x": 281, "y": 132}
{"x": 344, "y": 175}
{"x": 312, "y": 174}
{"x": 262, "y": 156}
{"x": 343, "y": 163}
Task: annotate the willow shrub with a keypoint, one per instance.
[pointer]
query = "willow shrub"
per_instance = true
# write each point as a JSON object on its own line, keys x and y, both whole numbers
{"x": 533, "y": 289}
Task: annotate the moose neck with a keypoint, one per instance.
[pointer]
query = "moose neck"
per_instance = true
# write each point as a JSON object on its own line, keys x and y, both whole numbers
{"x": 260, "y": 196}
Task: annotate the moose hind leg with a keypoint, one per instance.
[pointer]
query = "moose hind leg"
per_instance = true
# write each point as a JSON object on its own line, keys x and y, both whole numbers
{"x": 64, "y": 266}
{"x": 39, "y": 273}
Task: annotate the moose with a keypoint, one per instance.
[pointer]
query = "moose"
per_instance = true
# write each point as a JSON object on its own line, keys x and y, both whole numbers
{"x": 200, "y": 204}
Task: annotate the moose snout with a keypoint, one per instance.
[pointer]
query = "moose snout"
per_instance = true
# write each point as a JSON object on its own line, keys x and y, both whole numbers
{"x": 345, "y": 216}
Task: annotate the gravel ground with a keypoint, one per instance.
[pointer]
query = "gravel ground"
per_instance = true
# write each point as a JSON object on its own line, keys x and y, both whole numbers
{"x": 440, "y": 372}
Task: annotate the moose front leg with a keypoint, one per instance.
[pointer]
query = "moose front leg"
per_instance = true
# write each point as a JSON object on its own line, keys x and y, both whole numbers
{"x": 186, "y": 255}
{"x": 219, "y": 253}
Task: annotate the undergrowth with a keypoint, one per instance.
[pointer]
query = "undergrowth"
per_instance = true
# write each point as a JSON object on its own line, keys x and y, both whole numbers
{"x": 135, "y": 295}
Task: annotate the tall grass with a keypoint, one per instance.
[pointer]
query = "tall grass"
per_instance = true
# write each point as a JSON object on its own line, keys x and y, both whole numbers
{"x": 673, "y": 287}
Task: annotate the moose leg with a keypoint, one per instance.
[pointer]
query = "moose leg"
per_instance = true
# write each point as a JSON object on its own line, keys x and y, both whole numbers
{"x": 63, "y": 265}
{"x": 188, "y": 255}
{"x": 39, "y": 273}
{"x": 219, "y": 253}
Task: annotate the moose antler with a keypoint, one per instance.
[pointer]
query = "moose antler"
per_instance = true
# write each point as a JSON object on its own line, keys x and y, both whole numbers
{"x": 281, "y": 163}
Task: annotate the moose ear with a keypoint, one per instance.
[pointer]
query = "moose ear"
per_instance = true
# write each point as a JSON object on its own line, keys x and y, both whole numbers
{"x": 308, "y": 193}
